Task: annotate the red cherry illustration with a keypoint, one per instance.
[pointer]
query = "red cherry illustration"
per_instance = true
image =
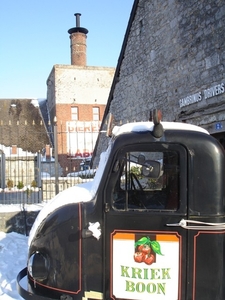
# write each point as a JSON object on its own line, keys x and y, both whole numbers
{"x": 138, "y": 257}
{"x": 146, "y": 249}
{"x": 149, "y": 259}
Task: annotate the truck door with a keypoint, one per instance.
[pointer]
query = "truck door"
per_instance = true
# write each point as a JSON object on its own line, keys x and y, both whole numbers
{"x": 146, "y": 191}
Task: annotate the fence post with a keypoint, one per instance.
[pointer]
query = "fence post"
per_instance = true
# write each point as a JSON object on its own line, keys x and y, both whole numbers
{"x": 56, "y": 157}
{"x": 39, "y": 169}
{"x": 3, "y": 170}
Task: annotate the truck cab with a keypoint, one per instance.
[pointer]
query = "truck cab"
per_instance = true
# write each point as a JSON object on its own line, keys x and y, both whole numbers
{"x": 149, "y": 226}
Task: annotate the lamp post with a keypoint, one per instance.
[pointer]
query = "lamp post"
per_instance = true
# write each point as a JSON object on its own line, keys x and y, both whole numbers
{"x": 56, "y": 156}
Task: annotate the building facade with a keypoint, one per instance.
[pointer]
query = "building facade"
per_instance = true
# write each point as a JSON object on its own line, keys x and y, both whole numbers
{"x": 76, "y": 97}
{"x": 172, "y": 59}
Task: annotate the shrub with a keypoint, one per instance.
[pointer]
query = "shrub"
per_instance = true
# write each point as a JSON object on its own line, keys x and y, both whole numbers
{"x": 9, "y": 184}
{"x": 20, "y": 185}
{"x": 34, "y": 184}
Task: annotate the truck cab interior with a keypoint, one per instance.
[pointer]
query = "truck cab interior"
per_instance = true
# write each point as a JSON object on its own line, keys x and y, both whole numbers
{"x": 147, "y": 180}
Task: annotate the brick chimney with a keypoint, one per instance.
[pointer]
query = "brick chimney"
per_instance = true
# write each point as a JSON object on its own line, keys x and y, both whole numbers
{"x": 78, "y": 46}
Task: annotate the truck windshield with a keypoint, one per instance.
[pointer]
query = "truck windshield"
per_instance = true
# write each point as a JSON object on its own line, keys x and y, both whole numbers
{"x": 147, "y": 180}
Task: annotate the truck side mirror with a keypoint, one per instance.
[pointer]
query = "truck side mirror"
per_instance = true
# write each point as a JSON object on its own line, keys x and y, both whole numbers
{"x": 151, "y": 169}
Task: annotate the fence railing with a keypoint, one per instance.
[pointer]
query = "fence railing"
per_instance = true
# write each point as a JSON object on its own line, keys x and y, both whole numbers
{"x": 27, "y": 178}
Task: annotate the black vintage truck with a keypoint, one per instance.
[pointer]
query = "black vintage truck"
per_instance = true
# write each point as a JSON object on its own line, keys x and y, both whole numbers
{"x": 151, "y": 224}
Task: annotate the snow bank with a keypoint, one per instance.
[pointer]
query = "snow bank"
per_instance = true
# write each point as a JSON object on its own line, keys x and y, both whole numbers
{"x": 13, "y": 257}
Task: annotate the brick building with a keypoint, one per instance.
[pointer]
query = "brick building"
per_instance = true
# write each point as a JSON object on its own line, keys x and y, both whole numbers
{"x": 172, "y": 58}
{"x": 77, "y": 96}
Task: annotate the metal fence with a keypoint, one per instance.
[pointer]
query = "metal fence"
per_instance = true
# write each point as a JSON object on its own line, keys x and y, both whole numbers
{"x": 28, "y": 178}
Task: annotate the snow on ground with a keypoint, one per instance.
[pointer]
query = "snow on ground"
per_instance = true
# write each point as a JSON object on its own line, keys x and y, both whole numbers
{"x": 13, "y": 254}
{"x": 13, "y": 257}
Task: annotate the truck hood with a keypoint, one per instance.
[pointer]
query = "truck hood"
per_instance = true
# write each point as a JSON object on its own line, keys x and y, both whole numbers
{"x": 74, "y": 194}
{"x": 79, "y": 193}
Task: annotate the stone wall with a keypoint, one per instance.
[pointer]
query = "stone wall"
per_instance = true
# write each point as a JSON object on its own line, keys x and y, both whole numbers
{"x": 19, "y": 221}
{"x": 175, "y": 50}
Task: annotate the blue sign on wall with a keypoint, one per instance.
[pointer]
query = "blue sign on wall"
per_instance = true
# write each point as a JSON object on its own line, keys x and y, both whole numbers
{"x": 219, "y": 126}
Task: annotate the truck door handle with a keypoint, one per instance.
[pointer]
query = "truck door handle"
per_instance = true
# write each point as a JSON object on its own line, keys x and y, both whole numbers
{"x": 198, "y": 225}
{"x": 86, "y": 233}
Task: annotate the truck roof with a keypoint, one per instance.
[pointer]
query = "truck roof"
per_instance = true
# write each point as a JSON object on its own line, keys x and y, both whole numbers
{"x": 148, "y": 126}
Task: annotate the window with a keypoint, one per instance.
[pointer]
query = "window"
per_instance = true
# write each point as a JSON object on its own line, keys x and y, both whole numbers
{"x": 147, "y": 180}
{"x": 74, "y": 113}
{"x": 96, "y": 114}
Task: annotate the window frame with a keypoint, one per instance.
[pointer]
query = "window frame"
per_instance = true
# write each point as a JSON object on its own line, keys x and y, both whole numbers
{"x": 153, "y": 147}
{"x": 96, "y": 115}
{"x": 76, "y": 114}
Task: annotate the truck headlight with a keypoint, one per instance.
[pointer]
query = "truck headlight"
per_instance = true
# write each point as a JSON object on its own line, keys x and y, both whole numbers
{"x": 38, "y": 266}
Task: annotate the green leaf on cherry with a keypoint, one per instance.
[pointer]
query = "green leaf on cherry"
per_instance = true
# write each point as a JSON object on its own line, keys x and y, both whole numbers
{"x": 143, "y": 241}
{"x": 156, "y": 247}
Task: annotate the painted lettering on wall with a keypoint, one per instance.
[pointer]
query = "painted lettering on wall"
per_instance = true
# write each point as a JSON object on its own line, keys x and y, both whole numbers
{"x": 81, "y": 138}
{"x": 205, "y": 94}
{"x": 214, "y": 91}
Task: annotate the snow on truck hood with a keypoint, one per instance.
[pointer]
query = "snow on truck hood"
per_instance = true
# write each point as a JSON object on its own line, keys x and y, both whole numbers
{"x": 79, "y": 193}
{"x": 73, "y": 194}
